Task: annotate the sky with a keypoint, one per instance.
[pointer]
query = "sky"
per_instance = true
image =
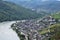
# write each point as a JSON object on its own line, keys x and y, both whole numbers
{"x": 34, "y": 0}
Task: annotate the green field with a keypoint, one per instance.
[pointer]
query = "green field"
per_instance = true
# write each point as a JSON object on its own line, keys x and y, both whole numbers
{"x": 56, "y": 16}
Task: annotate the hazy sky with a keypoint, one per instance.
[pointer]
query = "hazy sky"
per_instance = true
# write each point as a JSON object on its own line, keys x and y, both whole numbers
{"x": 42, "y": 0}
{"x": 37, "y": 0}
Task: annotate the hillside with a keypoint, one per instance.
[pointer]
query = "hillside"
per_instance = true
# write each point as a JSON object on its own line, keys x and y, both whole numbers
{"x": 50, "y": 6}
{"x": 56, "y": 16}
{"x": 53, "y": 31}
{"x": 56, "y": 32}
{"x": 10, "y": 11}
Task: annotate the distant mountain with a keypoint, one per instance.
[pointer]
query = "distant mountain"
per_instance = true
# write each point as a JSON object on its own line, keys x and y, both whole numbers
{"x": 50, "y": 6}
{"x": 10, "y": 11}
{"x": 27, "y": 3}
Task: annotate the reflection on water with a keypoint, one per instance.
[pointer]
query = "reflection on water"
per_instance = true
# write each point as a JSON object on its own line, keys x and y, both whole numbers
{"x": 6, "y": 33}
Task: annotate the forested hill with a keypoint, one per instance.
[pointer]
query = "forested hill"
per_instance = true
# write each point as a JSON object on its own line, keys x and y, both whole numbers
{"x": 10, "y": 11}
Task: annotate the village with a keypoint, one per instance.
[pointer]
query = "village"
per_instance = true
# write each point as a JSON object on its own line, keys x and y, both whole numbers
{"x": 29, "y": 28}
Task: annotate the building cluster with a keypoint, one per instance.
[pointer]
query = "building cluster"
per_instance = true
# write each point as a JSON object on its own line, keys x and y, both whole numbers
{"x": 30, "y": 28}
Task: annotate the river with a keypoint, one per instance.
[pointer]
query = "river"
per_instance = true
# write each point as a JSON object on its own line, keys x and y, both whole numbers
{"x": 6, "y": 33}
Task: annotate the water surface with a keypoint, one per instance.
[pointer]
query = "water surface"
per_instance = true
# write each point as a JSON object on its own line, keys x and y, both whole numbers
{"x": 6, "y": 33}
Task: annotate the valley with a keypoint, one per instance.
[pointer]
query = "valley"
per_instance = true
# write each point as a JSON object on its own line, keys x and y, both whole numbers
{"x": 29, "y": 19}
